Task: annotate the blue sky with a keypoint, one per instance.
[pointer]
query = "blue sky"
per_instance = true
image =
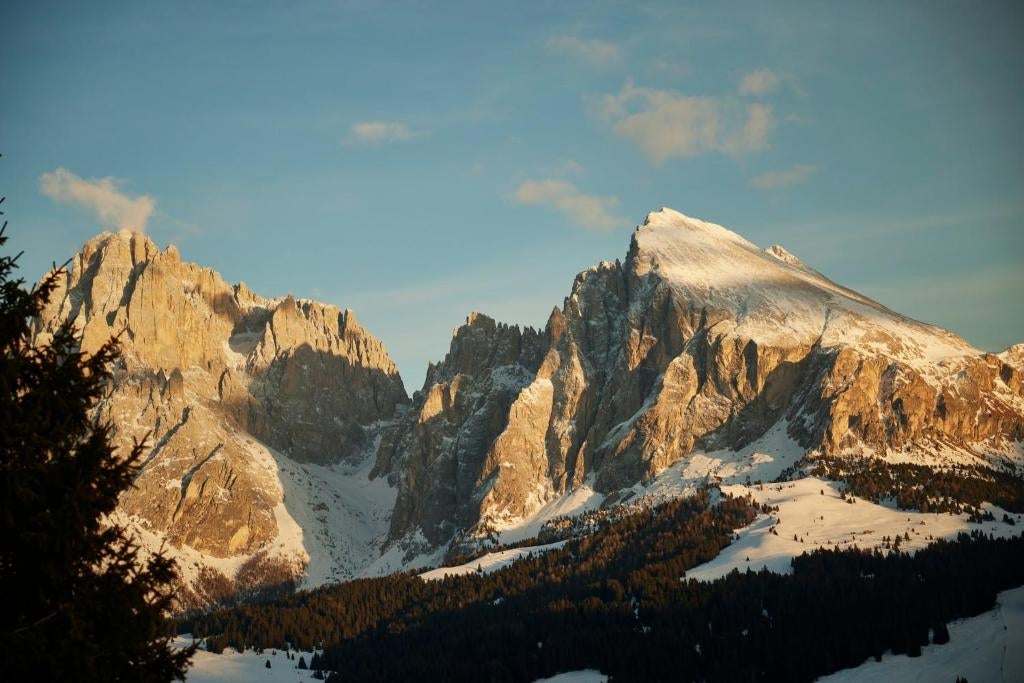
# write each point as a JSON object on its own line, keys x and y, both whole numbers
{"x": 416, "y": 161}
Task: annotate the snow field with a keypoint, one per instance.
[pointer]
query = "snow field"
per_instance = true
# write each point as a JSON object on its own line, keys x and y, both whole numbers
{"x": 812, "y": 510}
{"x": 241, "y": 667}
{"x": 988, "y": 647}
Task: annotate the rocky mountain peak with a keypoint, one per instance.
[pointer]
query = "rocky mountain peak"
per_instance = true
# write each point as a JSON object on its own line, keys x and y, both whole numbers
{"x": 212, "y": 371}
{"x": 700, "y": 340}
{"x": 769, "y": 296}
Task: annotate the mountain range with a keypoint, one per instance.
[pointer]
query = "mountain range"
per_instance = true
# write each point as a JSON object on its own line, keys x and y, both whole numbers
{"x": 282, "y": 444}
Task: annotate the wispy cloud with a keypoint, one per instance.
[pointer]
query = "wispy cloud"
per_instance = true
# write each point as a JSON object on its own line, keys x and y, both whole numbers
{"x": 589, "y": 212}
{"x": 761, "y": 82}
{"x": 666, "y": 124}
{"x": 786, "y": 178}
{"x": 382, "y": 131}
{"x": 102, "y": 196}
{"x": 594, "y": 51}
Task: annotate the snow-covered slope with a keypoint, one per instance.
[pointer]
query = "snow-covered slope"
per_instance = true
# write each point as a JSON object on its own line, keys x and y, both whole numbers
{"x": 583, "y": 676}
{"x": 491, "y": 562}
{"x": 330, "y": 523}
{"x": 775, "y": 299}
{"x": 812, "y": 514}
{"x": 982, "y": 649}
{"x": 242, "y": 667}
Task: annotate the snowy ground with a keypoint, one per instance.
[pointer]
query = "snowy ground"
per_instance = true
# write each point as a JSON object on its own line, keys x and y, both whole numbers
{"x": 812, "y": 510}
{"x": 989, "y": 647}
{"x": 235, "y": 667}
{"x": 491, "y": 562}
{"x": 342, "y": 516}
{"x": 578, "y": 501}
{"x": 584, "y": 676}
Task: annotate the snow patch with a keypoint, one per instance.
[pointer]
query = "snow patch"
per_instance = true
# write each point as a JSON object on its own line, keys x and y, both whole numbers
{"x": 583, "y": 676}
{"x": 241, "y": 667}
{"x": 812, "y": 510}
{"x": 491, "y": 562}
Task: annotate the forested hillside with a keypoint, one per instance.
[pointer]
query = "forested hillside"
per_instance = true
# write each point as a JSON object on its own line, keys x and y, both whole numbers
{"x": 619, "y": 601}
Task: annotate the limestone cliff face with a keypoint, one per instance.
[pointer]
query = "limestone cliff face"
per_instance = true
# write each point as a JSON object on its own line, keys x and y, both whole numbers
{"x": 205, "y": 367}
{"x": 439, "y": 451}
{"x": 699, "y": 339}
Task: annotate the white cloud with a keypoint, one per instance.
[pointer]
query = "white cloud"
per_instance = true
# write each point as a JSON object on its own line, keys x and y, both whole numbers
{"x": 589, "y": 212}
{"x": 761, "y": 82}
{"x": 113, "y": 208}
{"x": 382, "y": 131}
{"x": 593, "y": 51}
{"x": 666, "y": 124}
{"x": 786, "y": 178}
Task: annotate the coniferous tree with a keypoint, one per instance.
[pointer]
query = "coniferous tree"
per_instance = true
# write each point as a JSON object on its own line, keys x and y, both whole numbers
{"x": 80, "y": 603}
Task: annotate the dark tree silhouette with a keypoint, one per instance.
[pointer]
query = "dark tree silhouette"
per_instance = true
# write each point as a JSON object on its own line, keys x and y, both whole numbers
{"x": 80, "y": 602}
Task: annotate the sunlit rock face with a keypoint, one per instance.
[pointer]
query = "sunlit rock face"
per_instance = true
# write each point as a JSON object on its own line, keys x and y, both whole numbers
{"x": 700, "y": 339}
{"x": 205, "y": 367}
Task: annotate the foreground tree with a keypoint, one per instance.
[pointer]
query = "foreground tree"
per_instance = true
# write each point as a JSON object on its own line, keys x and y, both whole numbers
{"x": 80, "y": 601}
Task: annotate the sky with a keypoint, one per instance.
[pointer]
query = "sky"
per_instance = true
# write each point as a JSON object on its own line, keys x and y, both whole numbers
{"x": 418, "y": 161}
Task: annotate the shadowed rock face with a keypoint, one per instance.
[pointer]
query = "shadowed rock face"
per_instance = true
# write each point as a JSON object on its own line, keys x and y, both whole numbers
{"x": 700, "y": 339}
{"x": 207, "y": 364}
{"x": 439, "y": 450}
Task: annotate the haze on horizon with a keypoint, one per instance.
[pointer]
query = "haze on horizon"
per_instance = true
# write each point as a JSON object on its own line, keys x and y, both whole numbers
{"x": 416, "y": 164}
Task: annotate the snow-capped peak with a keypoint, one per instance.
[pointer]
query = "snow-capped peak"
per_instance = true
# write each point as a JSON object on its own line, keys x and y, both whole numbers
{"x": 671, "y": 221}
{"x": 770, "y": 296}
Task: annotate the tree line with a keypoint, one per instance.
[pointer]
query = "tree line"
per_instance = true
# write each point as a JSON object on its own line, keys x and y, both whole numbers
{"x": 955, "y": 489}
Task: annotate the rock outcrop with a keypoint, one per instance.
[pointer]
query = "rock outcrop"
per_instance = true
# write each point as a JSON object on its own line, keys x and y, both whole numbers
{"x": 206, "y": 367}
{"x": 699, "y": 340}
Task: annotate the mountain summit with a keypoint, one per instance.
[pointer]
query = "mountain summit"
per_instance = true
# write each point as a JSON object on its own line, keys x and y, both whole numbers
{"x": 229, "y": 389}
{"x": 699, "y": 341}
{"x": 283, "y": 444}
{"x": 773, "y": 297}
